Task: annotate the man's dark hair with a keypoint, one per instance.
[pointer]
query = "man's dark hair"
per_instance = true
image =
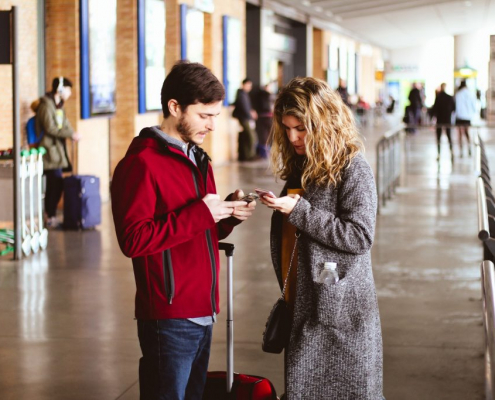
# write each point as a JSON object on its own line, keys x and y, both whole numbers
{"x": 56, "y": 82}
{"x": 246, "y": 81}
{"x": 463, "y": 84}
{"x": 190, "y": 83}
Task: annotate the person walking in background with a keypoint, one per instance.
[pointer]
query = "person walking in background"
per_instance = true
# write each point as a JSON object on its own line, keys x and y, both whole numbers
{"x": 168, "y": 219}
{"x": 415, "y": 107}
{"x": 342, "y": 90}
{"x": 264, "y": 121}
{"x": 53, "y": 125}
{"x": 325, "y": 213}
{"x": 442, "y": 109}
{"x": 465, "y": 109}
{"x": 244, "y": 112}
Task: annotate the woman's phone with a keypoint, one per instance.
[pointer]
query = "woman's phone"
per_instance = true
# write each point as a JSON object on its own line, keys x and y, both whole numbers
{"x": 263, "y": 193}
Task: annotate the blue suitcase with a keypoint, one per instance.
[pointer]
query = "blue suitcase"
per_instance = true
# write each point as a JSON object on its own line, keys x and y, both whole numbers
{"x": 82, "y": 202}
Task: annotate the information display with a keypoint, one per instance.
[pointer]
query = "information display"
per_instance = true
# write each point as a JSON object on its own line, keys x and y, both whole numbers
{"x": 102, "y": 31}
{"x": 232, "y": 57}
{"x": 155, "y": 52}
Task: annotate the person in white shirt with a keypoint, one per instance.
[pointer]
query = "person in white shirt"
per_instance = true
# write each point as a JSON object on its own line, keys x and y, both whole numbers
{"x": 465, "y": 109}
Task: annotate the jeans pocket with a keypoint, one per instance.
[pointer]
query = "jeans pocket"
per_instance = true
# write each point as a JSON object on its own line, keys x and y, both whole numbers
{"x": 330, "y": 303}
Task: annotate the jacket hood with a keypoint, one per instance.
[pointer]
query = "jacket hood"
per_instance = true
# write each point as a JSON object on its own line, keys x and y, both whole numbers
{"x": 154, "y": 133}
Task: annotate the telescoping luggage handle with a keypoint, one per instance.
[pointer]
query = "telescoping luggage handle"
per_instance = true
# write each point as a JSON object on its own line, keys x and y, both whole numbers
{"x": 229, "y": 251}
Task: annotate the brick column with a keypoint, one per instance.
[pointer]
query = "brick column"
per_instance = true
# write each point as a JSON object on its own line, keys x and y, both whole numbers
{"x": 62, "y": 56}
{"x": 126, "y": 97}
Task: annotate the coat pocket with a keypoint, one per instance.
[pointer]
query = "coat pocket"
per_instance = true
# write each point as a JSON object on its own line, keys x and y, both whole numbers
{"x": 54, "y": 154}
{"x": 330, "y": 303}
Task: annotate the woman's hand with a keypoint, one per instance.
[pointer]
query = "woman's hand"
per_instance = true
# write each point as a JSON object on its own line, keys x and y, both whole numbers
{"x": 283, "y": 204}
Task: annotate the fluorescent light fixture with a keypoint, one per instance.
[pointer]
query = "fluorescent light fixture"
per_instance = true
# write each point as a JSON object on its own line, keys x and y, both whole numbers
{"x": 306, "y": 3}
{"x": 318, "y": 9}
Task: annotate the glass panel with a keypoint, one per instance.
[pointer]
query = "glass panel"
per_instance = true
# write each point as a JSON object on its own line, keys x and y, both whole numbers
{"x": 102, "y": 27}
{"x": 233, "y": 58}
{"x": 155, "y": 52}
{"x": 195, "y": 26}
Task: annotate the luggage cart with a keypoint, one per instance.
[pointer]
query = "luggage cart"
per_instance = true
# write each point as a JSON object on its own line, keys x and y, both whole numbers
{"x": 43, "y": 232}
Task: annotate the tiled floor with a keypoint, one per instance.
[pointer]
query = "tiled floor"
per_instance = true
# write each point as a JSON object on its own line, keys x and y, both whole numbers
{"x": 66, "y": 314}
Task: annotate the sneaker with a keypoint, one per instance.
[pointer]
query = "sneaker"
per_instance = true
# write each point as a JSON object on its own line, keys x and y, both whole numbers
{"x": 52, "y": 223}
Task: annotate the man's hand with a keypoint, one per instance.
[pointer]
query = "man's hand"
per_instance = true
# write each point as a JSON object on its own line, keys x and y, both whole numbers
{"x": 76, "y": 137}
{"x": 221, "y": 209}
{"x": 244, "y": 212}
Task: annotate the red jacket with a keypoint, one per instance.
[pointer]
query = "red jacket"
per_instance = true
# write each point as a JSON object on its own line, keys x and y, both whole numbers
{"x": 167, "y": 230}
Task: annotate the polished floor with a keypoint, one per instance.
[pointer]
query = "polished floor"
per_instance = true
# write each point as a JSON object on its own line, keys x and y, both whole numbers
{"x": 66, "y": 314}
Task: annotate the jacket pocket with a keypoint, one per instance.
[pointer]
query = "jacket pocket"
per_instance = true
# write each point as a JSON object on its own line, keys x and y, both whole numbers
{"x": 330, "y": 304}
{"x": 168, "y": 276}
{"x": 54, "y": 154}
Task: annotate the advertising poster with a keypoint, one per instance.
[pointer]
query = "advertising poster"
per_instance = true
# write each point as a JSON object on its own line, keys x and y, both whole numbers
{"x": 195, "y": 27}
{"x": 233, "y": 41}
{"x": 155, "y": 52}
{"x": 102, "y": 28}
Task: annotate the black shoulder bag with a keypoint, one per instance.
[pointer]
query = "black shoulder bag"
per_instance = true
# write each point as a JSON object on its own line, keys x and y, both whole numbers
{"x": 277, "y": 330}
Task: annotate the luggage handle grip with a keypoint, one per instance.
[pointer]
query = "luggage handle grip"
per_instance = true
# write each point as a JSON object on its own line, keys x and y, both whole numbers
{"x": 227, "y": 247}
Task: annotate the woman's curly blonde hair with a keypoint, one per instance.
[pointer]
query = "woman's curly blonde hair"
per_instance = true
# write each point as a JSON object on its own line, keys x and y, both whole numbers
{"x": 332, "y": 139}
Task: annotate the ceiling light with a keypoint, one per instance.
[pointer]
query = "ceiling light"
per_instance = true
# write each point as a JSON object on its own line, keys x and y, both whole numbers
{"x": 338, "y": 18}
{"x": 306, "y": 3}
{"x": 329, "y": 14}
{"x": 467, "y": 3}
{"x": 318, "y": 9}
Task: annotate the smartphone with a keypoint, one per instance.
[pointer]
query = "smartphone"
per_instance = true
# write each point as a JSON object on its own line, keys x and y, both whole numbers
{"x": 263, "y": 193}
{"x": 250, "y": 197}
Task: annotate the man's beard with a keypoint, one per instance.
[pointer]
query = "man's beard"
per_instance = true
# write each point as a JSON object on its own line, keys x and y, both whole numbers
{"x": 184, "y": 130}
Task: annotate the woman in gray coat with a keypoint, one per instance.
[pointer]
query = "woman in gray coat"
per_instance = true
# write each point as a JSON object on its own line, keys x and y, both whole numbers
{"x": 329, "y": 201}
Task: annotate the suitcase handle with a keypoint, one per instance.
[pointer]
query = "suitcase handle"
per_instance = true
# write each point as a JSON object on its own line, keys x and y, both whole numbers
{"x": 229, "y": 251}
{"x": 227, "y": 247}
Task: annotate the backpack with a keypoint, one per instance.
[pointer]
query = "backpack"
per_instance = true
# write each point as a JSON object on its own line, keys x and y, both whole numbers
{"x": 32, "y": 137}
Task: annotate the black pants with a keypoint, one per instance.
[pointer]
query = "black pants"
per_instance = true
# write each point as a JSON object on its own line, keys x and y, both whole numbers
{"x": 54, "y": 190}
{"x": 247, "y": 142}
{"x": 439, "y": 135}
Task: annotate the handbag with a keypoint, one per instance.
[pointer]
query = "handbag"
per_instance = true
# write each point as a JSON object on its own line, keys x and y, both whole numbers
{"x": 277, "y": 329}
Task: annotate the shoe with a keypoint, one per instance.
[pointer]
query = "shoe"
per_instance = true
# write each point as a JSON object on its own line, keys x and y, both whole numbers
{"x": 52, "y": 223}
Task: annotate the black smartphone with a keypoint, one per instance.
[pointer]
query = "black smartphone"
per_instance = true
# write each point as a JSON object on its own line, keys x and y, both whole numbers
{"x": 250, "y": 197}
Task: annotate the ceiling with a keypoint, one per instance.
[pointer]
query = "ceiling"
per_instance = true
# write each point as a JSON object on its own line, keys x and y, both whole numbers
{"x": 394, "y": 24}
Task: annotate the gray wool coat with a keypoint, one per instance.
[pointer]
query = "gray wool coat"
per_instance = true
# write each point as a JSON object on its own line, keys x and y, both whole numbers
{"x": 335, "y": 349}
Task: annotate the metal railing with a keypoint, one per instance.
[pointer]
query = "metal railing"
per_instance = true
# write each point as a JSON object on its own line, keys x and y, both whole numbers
{"x": 486, "y": 231}
{"x": 488, "y": 300}
{"x": 388, "y": 164}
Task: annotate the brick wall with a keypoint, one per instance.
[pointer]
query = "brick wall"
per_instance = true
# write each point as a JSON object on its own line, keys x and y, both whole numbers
{"x": 28, "y": 70}
{"x": 122, "y": 126}
{"x": 63, "y": 58}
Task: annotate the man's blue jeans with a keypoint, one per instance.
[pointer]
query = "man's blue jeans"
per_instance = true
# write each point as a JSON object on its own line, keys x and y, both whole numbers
{"x": 175, "y": 359}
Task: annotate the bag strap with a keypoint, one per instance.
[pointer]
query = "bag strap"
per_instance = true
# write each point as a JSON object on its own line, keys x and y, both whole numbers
{"x": 290, "y": 265}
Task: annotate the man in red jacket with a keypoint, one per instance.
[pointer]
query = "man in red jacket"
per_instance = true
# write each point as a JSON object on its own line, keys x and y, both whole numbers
{"x": 168, "y": 219}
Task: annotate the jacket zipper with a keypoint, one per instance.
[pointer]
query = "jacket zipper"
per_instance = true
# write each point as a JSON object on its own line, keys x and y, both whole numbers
{"x": 168, "y": 275}
{"x": 210, "y": 251}
{"x": 167, "y": 260}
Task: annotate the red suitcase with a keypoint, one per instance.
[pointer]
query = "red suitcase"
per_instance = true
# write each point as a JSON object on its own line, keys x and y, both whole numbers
{"x": 221, "y": 385}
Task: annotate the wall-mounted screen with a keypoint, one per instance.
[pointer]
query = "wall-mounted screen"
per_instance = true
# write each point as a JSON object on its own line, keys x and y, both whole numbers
{"x": 151, "y": 49}
{"x": 193, "y": 27}
{"x": 102, "y": 23}
{"x": 231, "y": 57}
